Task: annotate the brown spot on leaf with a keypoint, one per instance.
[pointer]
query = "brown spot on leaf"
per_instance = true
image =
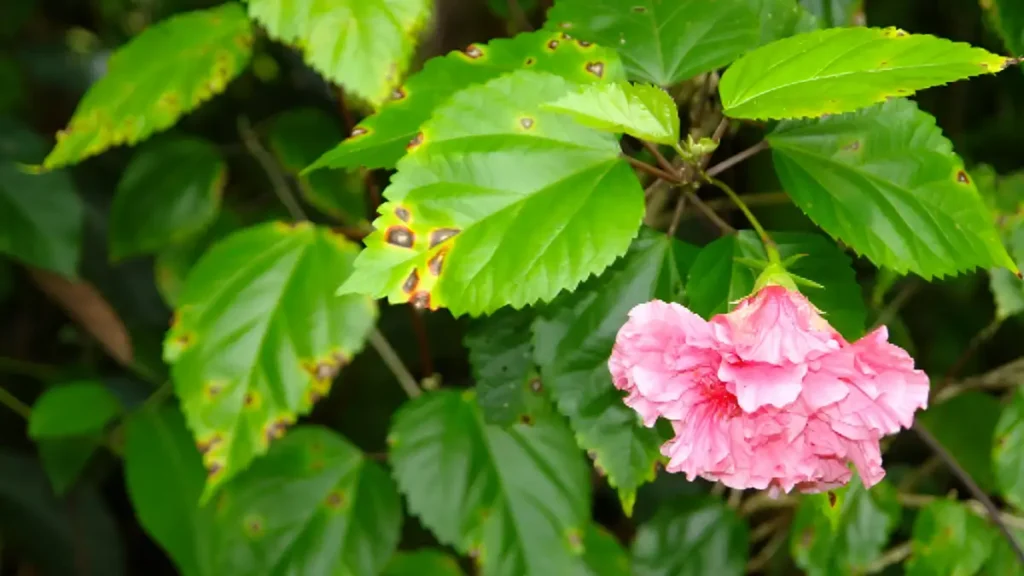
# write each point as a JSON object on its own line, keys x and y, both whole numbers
{"x": 411, "y": 282}
{"x": 596, "y": 68}
{"x": 402, "y": 214}
{"x": 575, "y": 539}
{"x": 526, "y": 419}
{"x": 436, "y": 263}
{"x": 205, "y": 446}
{"x": 420, "y": 300}
{"x": 831, "y": 499}
{"x": 526, "y": 123}
{"x": 566, "y": 36}
{"x": 400, "y": 236}
{"x": 962, "y": 178}
{"x": 249, "y": 400}
{"x": 536, "y": 385}
{"x": 212, "y": 389}
{"x": 415, "y": 142}
{"x": 325, "y": 371}
{"x": 473, "y": 51}
{"x": 213, "y": 468}
{"x": 530, "y": 61}
{"x": 442, "y": 234}
{"x": 852, "y": 146}
{"x": 398, "y": 93}
{"x": 253, "y": 525}
{"x": 639, "y": 9}
{"x": 584, "y": 43}
{"x": 335, "y": 499}
{"x": 358, "y": 131}
{"x": 275, "y": 429}
{"x": 553, "y": 45}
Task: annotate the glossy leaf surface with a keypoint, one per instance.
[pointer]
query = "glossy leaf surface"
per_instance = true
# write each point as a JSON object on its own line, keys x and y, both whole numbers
{"x": 254, "y": 349}
{"x": 500, "y": 203}
{"x": 640, "y": 110}
{"x": 843, "y": 69}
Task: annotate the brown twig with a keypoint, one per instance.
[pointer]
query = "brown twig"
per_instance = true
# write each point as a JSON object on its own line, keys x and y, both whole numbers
{"x": 1005, "y": 376}
{"x": 736, "y": 159}
{"x": 722, "y": 225}
{"x": 766, "y": 554}
{"x": 653, "y": 170}
{"x": 277, "y": 179}
{"x": 677, "y": 214}
{"x": 662, "y": 161}
{"x": 394, "y": 363}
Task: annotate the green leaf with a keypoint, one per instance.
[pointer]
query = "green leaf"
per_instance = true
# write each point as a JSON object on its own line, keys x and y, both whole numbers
{"x": 948, "y": 539}
{"x": 64, "y": 459}
{"x": 1008, "y": 451}
{"x": 663, "y": 42}
{"x": 166, "y": 71}
{"x": 844, "y": 69}
{"x": 424, "y": 562}
{"x": 836, "y": 13}
{"x": 887, "y": 183}
{"x": 1008, "y": 17}
{"x": 259, "y": 336}
{"x": 41, "y": 215}
{"x": 693, "y": 537}
{"x": 717, "y": 281}
{"x": 173, "y": 263}
{"x": 603, "y": 555}
{"x": 300, "y": 136}
{"x": 517, "y": 203}
{"x": 1008, "y": 291}
{"x": 1003, "y": 559}
{"x": 501, "y": 354}
{"x": 847, "y": 534}
{"x": 380, "y": 140}
{"x": 169, "y": 192}
{"x": 782, "y": 19}
{"x": 73, "y": 409}
{"x": 573, "y": 341}
{"x": 364, "y": 45}
{"x": 975, "y": 414}
{"x": 640, "y": 110}
{"x": 517, "y": 499}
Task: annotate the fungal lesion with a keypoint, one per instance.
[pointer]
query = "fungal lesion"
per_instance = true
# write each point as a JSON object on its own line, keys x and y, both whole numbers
{"x": 401, "y": 236}
{"x": 595, "y": 68}
{"x": 962, "y": 177}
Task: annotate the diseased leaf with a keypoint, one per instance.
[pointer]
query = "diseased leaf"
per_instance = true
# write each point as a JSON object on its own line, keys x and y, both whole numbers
{"x": 717, "y": 281}
{"x": 259, "y": 336}
{"x": 166, "y": 71}
{"x": 1008, "y": 451}
{"x": 976, "y": 414}
{"x": 380, "y": 140}
{"x": 663, "y": 42}
{"x": 73, "y": 409}
{"x": 41, "y": 215}
{"x": 887, "y": 183}
{"x": 693, "y": 537}
{"x": 847, "y": 534}
{"x": 836, "y": 13}
{"x": 364, "y": 45}
{"x": 501, "y": 354}
{"x": 573, "y": 341}
{"x": 423, "y": 562}
{"x": 500, "y": 203}
{"x": 516, "y": 499}
{"x": 948, "y": 539}
{"x": 169, "y": 192}
{"x": 844, "y": 69}
{"x": 640, "y": 110}
{"x": 298, "y": 137}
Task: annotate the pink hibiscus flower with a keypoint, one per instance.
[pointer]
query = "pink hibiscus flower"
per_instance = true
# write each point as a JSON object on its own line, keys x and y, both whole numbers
{"x": 768, "y": 396}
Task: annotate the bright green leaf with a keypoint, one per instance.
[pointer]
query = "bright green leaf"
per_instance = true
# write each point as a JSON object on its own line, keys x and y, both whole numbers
{"x": 663, "y": 42}
{"x": 694, "y": 537}
{"x": 169, "y": 192}
{"x": 41, "y": 215}
{"x": 423, "y": 562}
{"x": 975, "y": 414}
{"x": 516, "y": 499}
{"x": 173, "y": 263}
{"x": 1008, "y": 451}
{"x": 887, "y": 183}
{"x": 500, "y": 204}
{"x": 300, "y": 136}
{"x": 948, "y": 539}
{"x": 364, "y": 45}
{"x": 380, "y": 140}
{"x": 844, "y": 69}
{"x": 1008, "y": 17}
{"x": 717, "y": 280}
{"x": 573, "y": 341}
{"x": 259, "y": 336}
{"x": 75, "y": 409}
{"x": 836, "y": 13}
{"x": 641, "y": 110}
{"x": 501, "y": 354}
{"x": 163, "y": 73}
{"x": 847, "y": 534}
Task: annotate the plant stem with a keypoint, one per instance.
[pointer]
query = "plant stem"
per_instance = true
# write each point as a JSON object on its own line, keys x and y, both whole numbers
{"x": 972, "y": 487}
{"x": 394, "y": 363}
{"x": 1006, "y": 376}
{"x": 757, "y": 563}
{"x": 707, "y": 211}
{"x": 734, "y": 160}
{"x": 662, "y": 161}
{"x": 16, "y": 405}
{"x": 677, "y": 214}
{"x": 769, "y": 244}
{"x": 277, "y": 179}
{"x": 24, "y": 368}
{"x": 894, "y": 555}
{"x": 764, "y": 199}
{"x": 653, "y": 170}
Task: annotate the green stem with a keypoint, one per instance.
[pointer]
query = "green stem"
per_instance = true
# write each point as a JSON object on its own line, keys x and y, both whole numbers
{"x": 24, "y": 368}
{"x": 16, "y": 405}
{"x": 769, "y": 244}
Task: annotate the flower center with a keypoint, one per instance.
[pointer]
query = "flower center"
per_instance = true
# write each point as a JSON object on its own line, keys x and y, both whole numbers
{"x": 717, "y": 399}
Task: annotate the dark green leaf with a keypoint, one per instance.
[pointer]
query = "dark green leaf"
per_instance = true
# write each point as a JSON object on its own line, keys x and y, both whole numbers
{"x": 845, "y": 69}
{"x": 365, "y": 46}
{"x": 74, "y": 409}
{"x": 782, "y": 19}
{"x": 574, "y": 339}
{"x": 298, "y": 137}
{"x": 695, "y": 537}
{"x": 381, "y": 139}
{"x": 173, "y": 263}
{"x": 717, "y": 280}
{"x": 975, "y": 415}
{"x": 663, "y": 42}
{"x": 640, "y": 110}
{"x": 603, "y": 555}
{"x": 424, "y": 562}
{"x": 40, "y": 214}
{"x": 259, "y": 336}
{"x": 847, "y": 534}
{"x": 836, "y": 13}
{"x": 516, "y": 203}
{"x": 1008, "y": 17}
{"x": 887, "y": 183}
{"x": 501, "y": 354}
{"x": 170, "y": 192}
{"x": 949, "y": 539}
{"x": 168, "y": 70}
{"x": 64, "y": 459}
{"x": 516, "y": 499}
{"x": 1004, "y": 560}
{"x": 1008, "y": 451}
